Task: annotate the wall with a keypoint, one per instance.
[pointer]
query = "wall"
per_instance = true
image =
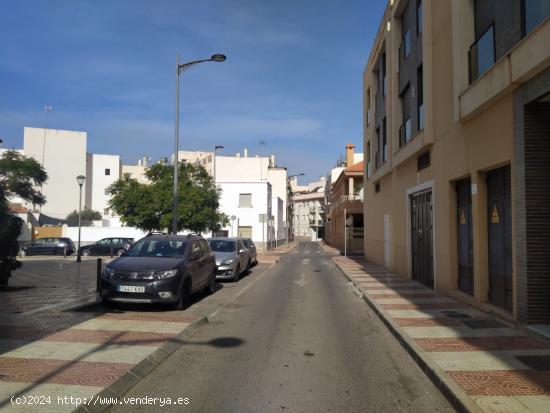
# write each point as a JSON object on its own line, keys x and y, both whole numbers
{"x": 64, "y": 155}
{"x": 96, "y": 165}
{"x": 89, "y": 235}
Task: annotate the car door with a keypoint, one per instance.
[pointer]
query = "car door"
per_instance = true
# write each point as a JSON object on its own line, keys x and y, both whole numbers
{"x": 209, "y": 262}
{"x": 243, "y": 254}
{"x": 102, "y": 247}
{"x": 194, "y": 267}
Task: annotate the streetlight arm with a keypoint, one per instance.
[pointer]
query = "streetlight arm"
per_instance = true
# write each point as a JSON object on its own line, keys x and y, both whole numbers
{"x": 184, "y": 66}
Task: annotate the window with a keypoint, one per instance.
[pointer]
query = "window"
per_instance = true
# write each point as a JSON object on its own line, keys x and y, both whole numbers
{"x": 368, "y": 160}
{"x": 377, "y": 160}
{"x": 377, "y": 187}
{"x": 244, "y": 232}
{"x": 423, "y": 161}
{"x": 368, "y": 107}
{"x": 534, "y": 12}
{"x": 384, "y": 141}
{"x": 384, "y": 77}
{"x": 405, "y": 130}
{"x": 419, "y": 17}
{"x": 407, "y": 44}
{"x": 106, "y": 211}
{"x": 107, "y": 171}
{"x": 482, "y": 53}
{"x": 245, "y": 200}
{"x": 420, "y": 97}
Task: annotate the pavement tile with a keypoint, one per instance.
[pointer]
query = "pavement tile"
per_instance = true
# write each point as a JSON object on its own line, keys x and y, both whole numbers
{"x": 149, "y": 317}
{"x": 392, "y": 294}
{"x": 503, "y": 382}
{"x": 478, "y": 360}
{"x": 423, "y": 306}
{"x": 481, "y": 343}
{"x": 459, "y": 331}
{"x": 106, "y": 353}
{"x": 412, "y": 300}
{"x": 132, "y": 325}
{"x": 82, "y": 373}
{"x": 426, "y": 322}
{"x": 429, "y": 313}
{"x": 515, "y": 404}
{"x": 112, "y": 337}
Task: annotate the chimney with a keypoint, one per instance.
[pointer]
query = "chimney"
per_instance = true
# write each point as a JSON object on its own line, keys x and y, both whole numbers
{"x": 350, "y": 150}
{"x": 245, "y": 153}
{"x": 272, "y": 161}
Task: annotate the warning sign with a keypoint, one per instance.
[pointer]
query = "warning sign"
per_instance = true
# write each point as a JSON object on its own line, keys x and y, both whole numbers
{"x": 495, "y": 218}
{"x": 462, "y": 217}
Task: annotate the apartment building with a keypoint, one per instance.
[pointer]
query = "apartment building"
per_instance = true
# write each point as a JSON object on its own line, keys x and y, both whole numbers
{"x": 308, "y": 211}
{"x": 253, "y": 195}
{"x": 457, "y": 155}
{"x": 101, "y": 172}
{"x": 345, "y": 212}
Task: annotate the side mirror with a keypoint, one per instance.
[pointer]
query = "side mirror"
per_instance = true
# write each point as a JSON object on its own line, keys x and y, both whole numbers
{"x": 242, "y": 251}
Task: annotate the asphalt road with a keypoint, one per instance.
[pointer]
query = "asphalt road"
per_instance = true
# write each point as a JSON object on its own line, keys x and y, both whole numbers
{"x": 294, "y": 339}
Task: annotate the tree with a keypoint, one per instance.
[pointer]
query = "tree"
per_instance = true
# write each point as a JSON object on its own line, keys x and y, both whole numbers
{"x": 87, "y": 216}
{"x": 149, "y": 206}
{"x": 19, "y": 176}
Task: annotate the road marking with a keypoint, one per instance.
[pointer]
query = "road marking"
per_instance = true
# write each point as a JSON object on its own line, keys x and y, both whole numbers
{"x": 302, "y": 281}
{"x": 305, "y": 261}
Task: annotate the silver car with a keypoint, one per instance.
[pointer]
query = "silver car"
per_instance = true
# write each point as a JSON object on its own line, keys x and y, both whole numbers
{"x": 232, "y": 257}
{"x": 251, "y": 247}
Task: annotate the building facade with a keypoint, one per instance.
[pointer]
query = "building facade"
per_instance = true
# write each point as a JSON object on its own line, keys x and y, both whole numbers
{"x": 308, "y": 211}
{"x": 457, "y": 112}
{"x": 101, "y": 172}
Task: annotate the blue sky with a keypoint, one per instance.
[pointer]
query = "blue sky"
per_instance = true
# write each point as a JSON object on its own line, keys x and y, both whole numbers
{"x": 293, "y": 76}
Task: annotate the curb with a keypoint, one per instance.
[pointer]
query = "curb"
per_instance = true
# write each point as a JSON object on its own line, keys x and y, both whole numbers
{"x": 455, "y": 395}
{"x": 123, "y": 384}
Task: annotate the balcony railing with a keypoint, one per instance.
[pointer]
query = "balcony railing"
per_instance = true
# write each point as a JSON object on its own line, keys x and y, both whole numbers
{"x": 368, "y": 116}
{"x": 405, "y": 133}
{"x": 356, "y": 232}
{"x": 369, "y": 169}
{"x": 481, "y": 55}
{"x": 347, "y": 199}
{"x": 421, "y": 117}
{"x": 377, "y": 160}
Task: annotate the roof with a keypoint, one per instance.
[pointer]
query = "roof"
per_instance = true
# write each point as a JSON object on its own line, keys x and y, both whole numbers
{"x": 18, "y": 209}
{"x": 356, "y": 167}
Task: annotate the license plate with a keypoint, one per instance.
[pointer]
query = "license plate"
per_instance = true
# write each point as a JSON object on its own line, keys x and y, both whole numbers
{"x": 131, "y": 289}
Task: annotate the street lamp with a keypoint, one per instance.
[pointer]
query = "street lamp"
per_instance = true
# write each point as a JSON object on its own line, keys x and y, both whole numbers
{"x": 290, "y": 207}
{"x": 216, "y": 148}
{"x": 179, "y": 69}
{"x": 80, "y": 180}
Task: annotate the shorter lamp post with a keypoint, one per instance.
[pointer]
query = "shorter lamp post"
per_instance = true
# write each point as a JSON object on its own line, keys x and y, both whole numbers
{"x": 80, "y": 180}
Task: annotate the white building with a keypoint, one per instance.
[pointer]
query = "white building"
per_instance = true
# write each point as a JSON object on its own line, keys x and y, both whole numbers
{"x": 101, "y": 172}
{"x": 254, "y": 196}
{"x": 308, "y": 211}
{"x": 204, "y": 158}
{"x": 63, "y": 155}
{"x": 137, "y": 171}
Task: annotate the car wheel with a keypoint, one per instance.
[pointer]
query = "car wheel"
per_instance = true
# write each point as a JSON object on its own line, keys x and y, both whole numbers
{"x": 237, "y": 273}
{"x": 183, "y": 301}
{"x": 211, "y": 287}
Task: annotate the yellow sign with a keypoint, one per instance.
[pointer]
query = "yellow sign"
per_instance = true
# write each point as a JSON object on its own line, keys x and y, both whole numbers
{"x": 495, "y": 218}
{"x": 462, "y": 217}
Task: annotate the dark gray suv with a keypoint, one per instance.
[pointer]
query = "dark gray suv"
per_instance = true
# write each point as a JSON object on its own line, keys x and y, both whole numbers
{"x": 160, "y": 269}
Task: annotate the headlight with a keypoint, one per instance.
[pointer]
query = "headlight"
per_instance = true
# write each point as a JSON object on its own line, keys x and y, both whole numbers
{"x": 108, "y": 272}
{"x": 228, "y": 262}
{"x": 162, "y": 275}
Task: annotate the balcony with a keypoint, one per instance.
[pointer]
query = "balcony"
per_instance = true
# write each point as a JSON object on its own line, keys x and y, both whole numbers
{"x": 369, "y": 169}
{"x": 481, "y": 55}
{"x": 349, "y": 201}
{"x": 405, "y": 133}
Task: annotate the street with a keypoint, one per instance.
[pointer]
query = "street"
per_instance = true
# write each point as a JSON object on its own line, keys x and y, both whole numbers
{"x": 294, "y": 338}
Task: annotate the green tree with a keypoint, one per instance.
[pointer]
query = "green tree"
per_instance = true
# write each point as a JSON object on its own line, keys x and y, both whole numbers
{"x": 19, "y": 176}
{"x": 87, "y": 216}
{"x": 149, "y": 206}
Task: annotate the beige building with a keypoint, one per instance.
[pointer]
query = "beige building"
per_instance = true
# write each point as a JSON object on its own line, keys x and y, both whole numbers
{"x": 457, "y": 145}
{"x": 344, "y": 207}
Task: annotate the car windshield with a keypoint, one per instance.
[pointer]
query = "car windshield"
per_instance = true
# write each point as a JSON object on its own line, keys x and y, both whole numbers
{"x": 247, "y": 243}
{"x": 157, "y": 248}
{"x": 222, "y": 245}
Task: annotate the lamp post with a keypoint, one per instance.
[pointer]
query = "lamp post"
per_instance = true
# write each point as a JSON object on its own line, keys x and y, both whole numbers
{"x": 290, "y": 209}
{"x": 216, "y": 148}
{"x": 179, "y": 69}
{"x": 80, "y": 180}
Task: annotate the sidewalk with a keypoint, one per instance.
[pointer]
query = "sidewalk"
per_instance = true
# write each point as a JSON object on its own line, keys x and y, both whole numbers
{"x": 274, "y": 255}
{"x": 479, "y": 363}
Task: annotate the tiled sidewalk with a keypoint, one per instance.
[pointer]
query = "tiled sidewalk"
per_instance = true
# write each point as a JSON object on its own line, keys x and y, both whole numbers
{"x": 487, "y": 365}
{"x": 85, "y": 359}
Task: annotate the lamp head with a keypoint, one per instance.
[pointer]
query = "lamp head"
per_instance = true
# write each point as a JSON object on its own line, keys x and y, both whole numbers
{"x": 218, "y": 57}
{"x": 80, "y": 179}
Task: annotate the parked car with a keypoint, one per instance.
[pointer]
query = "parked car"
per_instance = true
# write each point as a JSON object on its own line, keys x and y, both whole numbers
{"x": 249, "y": 244}
{"x": 107, "y": 246}
{"x": 160, "y": 269}
{"x": 232, "y": 257}
{"x": 50, "y": 246}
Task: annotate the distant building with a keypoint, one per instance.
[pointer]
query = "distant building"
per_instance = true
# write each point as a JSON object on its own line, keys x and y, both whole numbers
{"x": 101, "y": 172}
{"x": 137, "y": 171}
{"x": 203, "y": 158}
{"x": 254, "y": 197}
{"x": 308, "y": 201}
{"x": 63, "y": 155}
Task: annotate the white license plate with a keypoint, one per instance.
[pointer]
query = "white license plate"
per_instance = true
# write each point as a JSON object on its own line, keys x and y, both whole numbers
{"x": 130, "y": 289}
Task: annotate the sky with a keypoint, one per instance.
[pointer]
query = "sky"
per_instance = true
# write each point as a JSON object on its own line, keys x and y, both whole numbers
{"x": 292, "y": 78}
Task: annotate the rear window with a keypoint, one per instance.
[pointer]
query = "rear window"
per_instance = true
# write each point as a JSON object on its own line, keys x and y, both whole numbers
{"x": 222, "y": 245}
{"x": 148, "y": 247}
{"x": 248, "y": 243}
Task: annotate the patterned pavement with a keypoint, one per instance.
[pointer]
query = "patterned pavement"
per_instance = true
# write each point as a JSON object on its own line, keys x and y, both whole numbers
{"x": 500, "y": 368}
